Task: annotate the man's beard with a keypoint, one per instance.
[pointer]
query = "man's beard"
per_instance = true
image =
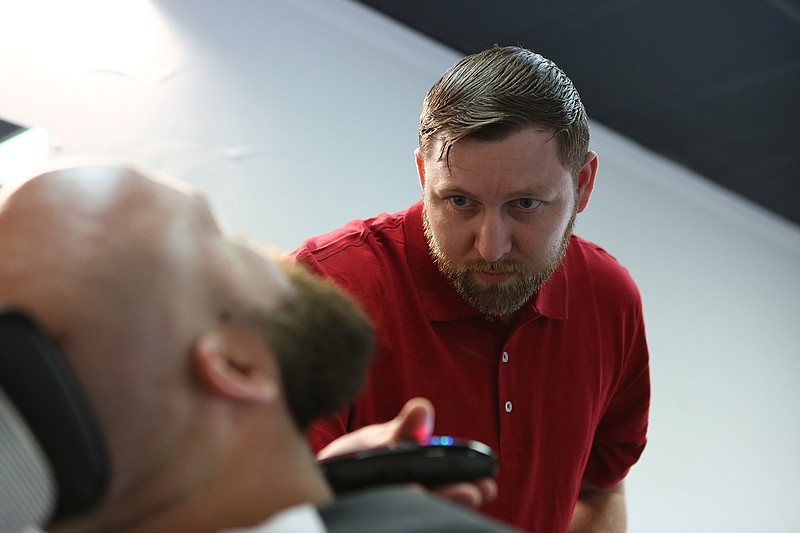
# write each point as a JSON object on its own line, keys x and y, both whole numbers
{"x": 497, "y": 299}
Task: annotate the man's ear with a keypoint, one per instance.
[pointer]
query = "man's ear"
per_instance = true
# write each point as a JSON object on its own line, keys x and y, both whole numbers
{"x": 420, "y": 168}
{"x": 233, "y": 361}
{"x": 586, "y": 177}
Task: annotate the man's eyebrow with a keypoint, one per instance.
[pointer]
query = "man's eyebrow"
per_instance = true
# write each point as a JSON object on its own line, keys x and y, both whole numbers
{"x": 540, "y": 192}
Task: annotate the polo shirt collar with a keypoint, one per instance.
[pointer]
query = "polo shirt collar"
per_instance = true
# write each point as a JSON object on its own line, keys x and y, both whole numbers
{"x": 440, "y": 300}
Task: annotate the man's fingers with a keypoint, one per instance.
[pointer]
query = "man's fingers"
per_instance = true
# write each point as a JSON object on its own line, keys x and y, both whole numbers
{"x": 488, "y": 488}
{"x": 466, "y": 494}
{"x": 415, "y": 421}
{"x": 473, "y": 495}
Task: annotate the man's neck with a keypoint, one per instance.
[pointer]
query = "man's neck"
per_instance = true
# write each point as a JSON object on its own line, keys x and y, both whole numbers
{"x": 241, "y": 494}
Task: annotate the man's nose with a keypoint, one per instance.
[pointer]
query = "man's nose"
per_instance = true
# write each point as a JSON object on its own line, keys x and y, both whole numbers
{"x": 493, "y": 239}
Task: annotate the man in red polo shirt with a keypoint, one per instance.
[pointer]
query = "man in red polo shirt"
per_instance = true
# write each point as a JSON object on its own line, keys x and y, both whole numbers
{"x": 523, "y": 336}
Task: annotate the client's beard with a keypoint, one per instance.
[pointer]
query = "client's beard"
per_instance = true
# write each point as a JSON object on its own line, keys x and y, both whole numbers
{"x": 497, "y": 299}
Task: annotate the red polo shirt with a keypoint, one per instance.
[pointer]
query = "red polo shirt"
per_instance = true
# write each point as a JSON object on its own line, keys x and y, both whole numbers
{"x": 562, "y": 395}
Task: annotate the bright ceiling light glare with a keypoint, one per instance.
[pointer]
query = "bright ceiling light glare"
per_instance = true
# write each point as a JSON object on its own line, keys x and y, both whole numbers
{"x": 119, "y": 36}
{"x": 23, "y": 154}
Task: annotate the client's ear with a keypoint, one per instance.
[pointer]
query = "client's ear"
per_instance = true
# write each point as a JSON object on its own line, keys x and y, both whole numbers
{"x": 234, "y": 361}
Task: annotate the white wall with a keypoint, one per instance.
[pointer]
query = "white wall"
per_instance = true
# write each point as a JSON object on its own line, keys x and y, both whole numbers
{"x": 296, "y": 116}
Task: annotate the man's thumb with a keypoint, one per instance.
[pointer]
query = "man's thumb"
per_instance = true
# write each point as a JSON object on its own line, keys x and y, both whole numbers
{"x": 415, "y": 421}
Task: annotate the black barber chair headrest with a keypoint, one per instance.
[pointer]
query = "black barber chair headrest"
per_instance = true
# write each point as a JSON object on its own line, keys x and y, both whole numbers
{"x": 44, "y": 415}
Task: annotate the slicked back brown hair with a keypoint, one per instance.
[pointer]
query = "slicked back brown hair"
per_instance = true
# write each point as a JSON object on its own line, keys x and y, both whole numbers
{"x": 492, "y": 94}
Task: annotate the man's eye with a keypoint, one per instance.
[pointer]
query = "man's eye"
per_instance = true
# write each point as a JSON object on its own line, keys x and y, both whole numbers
{"x": 459, "y": 201}
{"x": 528, "y": 203}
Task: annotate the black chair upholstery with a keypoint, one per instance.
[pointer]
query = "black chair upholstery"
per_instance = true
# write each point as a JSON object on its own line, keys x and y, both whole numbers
{"x": 53, "y": 461}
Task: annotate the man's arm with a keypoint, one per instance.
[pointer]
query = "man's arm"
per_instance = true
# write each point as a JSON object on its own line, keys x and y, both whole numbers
{"x": 599, "y": 510}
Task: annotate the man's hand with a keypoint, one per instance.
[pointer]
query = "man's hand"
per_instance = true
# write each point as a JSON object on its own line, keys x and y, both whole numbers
{"x": 414, "y": 422}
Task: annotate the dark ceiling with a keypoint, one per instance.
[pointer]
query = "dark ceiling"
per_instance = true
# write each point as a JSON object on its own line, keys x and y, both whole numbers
{"x": 712, "y": 84}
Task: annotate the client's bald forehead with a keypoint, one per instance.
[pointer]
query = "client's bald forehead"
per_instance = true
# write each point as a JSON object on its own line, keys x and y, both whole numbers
{"x": 73, "y": 229}
{"x": 125, "y": 227}
{"x": 92, "y": 206}
{"x": 92, "y": 188}
{"x": 84, "y": 203}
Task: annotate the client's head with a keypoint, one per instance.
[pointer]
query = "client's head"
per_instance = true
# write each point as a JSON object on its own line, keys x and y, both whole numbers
{"x": 202, "y": 357}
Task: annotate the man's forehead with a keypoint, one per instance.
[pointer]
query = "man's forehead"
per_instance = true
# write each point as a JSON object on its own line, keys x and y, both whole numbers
{"x": 92, "y": 187}
{"x": 88, "y": 207}
{"x": 87, "y": 235}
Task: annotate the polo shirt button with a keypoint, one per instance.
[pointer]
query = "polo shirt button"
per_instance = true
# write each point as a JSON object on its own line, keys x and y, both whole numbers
{"x": 508, "y": 407}
{"x": 505, "y": 357}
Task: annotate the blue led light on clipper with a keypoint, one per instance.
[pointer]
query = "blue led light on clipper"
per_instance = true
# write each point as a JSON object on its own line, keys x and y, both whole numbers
{"x": 441, "y": 441}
